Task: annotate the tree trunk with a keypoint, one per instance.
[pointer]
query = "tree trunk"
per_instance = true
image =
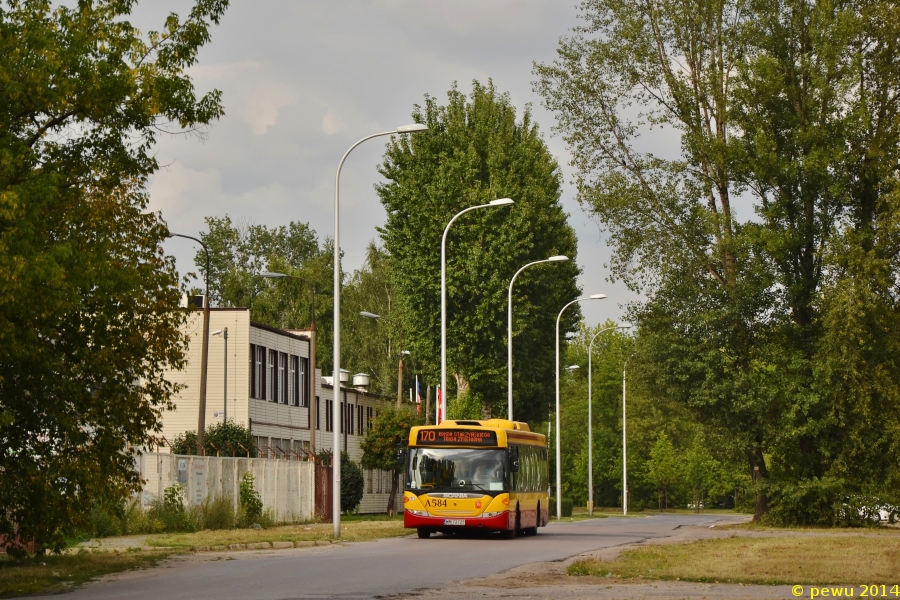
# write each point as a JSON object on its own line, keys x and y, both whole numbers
{"x": 392, "y": 497}
{"x": 759, "y": 473}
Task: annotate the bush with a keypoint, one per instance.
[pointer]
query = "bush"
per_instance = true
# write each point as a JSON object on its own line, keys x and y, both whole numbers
{"x": 220, "y": 438}
{"x": 219, "y": 513}
{"x": 352, "y": 483}
{"x": 251, "y": 503}
{"x": 566, "y": 507}
{"x": 805, "y": 502}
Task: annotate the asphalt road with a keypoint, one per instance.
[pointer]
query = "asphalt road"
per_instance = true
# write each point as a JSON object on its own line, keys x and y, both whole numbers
{"x": 378, "y": 568}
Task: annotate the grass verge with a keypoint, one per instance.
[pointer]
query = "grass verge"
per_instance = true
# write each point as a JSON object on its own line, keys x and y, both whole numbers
{"x": 351, "y": 531}
{"x": 793, "y": 560}
{"x": 54, "y": 574}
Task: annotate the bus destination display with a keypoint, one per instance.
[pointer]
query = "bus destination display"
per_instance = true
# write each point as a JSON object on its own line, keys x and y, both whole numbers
{"x": 457, "y": 437}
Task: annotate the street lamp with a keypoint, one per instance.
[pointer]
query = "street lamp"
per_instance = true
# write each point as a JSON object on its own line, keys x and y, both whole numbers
{"x": 590, "y": 419}
{"x": 336, "y": 469}
{"x": 509, "y": 332}
{"x": 224, "y": 333}
{"x": 556, "y": 373}
{"x": 204, "y": 352}
{"x": 492, "y": 203}
{"x": 624, "y": 455}
{"x": 375, "y": 317}
{"x": 313, "y": 405}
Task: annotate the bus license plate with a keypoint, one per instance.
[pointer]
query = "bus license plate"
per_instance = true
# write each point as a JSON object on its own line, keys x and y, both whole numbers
{"x": 454, "y": 521}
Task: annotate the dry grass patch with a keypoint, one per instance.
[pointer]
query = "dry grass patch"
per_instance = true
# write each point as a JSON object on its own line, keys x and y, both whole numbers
{"x": 813, "y": 560}
{"x": 351, "y": 531}
{"x": 52, "y": 574}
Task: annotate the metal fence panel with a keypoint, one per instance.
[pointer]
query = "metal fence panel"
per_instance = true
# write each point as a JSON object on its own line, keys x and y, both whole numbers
{"x": 285, "y": 487}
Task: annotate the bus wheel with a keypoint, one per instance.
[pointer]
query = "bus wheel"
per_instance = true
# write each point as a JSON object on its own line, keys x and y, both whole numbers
{"x": 530, "y": 531}
{"x": 423, "y": 532}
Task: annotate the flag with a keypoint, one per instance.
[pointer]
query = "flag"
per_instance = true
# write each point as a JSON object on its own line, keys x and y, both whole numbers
{"x": 418, "y": 397}
{"x": 439, "y": 406}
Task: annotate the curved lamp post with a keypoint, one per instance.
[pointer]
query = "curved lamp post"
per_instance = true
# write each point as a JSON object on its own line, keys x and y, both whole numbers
{"x": 492, "y": 203}
{"x": 204, "y": 351}
{"x": 509, "y": 332}
{"x": 556, "y": 372}
{"x": 590, "y": 419}
{"x": 335, "y": 410}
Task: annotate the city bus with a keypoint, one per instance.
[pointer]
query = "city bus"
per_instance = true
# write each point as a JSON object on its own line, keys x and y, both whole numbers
{"x": 476, "y": 475}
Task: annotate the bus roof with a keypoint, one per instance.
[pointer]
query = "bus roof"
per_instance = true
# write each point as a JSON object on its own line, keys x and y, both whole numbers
{"x": 489, "y": 433}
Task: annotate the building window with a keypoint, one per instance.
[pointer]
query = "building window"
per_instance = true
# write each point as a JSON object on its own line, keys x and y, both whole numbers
{"x": 328, "y": 415}
{"x": 343, "y": 417}
{"x": 379, "y": 481}
{"x": 303, "y": 386}
{"x": 272, "y": 394}
{"x": 370, "y": 416}
{"x": 282, "y": 378}
{"x": 318, "y": 412}
{"x": 359, "y": 419}
{"x": 253, "y": 370}
{"x": 293, "y": 382}
{"x": 350, "y": 410}
{"x": 259, "y": 390}
{"x": 369, "y": 481}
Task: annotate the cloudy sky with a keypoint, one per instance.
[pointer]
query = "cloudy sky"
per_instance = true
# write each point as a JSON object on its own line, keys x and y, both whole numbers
{"x": 304, "y": 79}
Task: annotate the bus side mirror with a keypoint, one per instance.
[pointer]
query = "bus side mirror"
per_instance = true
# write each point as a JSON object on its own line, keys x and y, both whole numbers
{"x": 514, "y": 460}
{"x": 400, "y": 456}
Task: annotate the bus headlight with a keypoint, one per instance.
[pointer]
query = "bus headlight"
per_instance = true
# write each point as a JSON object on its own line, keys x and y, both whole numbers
{"x": 418, "y": 513}
{"x": 488, "y": 515}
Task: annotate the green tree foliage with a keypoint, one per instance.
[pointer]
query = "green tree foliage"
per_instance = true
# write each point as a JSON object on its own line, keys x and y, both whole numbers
{"x": 220, "y": 439}
{"x": 352, "y": 483}
{"x": 664, "y": 468}
{"x": 239, "y": 252}
{"x": 88, "y": 317}
{"x": 475, "y": 151}
{"x": 369, "y": 345}
{"x": 775, "y": 330}
{"x": 389, "y": 432}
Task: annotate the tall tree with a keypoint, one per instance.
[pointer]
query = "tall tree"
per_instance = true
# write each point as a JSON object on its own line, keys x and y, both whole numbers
{"x": 240, "y": 252}
{"x": 374, "y": 346}
{"x": 792, "y": 107}
{"x": 88, "y": 301}
{"x": 475, "y": 151}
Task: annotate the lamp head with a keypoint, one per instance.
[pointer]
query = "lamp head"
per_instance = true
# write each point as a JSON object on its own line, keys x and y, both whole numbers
{"x": 412, "y": 128}
{"x": 597, "y": 296}
{"x": 369, "y": 315}
{"x": 558, "y": 258}
{"x": 271, "y": 275}
{"x": 572, "y": 367}
{"x": 625, "y": 326}
{"x": 404, "y": 352}
{"x": 501, "y": 202}
{"x": 216, "y": 332}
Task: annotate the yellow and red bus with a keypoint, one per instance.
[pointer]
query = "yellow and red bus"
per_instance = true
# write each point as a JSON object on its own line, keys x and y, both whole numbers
{"x": 487, "y": 475}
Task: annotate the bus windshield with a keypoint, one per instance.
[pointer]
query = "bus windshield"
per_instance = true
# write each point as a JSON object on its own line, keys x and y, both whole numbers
{"x": 434, "y": 469}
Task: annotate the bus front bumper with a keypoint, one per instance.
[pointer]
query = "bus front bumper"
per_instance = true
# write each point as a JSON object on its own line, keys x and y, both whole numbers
{"x": 499, "y": 522}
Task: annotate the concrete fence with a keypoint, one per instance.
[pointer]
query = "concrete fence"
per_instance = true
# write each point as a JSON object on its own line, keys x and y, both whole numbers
{"x": 286, "y": 487}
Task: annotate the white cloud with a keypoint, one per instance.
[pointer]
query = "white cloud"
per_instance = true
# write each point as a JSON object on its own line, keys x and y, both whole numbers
{"x": 262, "y": 109}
